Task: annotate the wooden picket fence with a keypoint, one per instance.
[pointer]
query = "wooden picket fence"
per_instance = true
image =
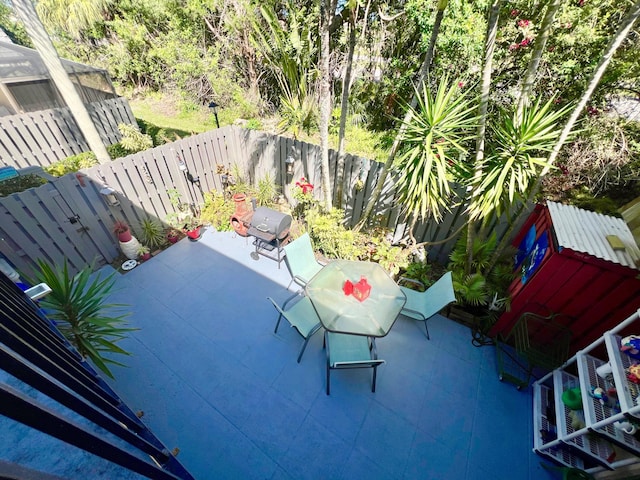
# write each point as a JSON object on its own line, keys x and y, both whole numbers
{"x": 69, "y": 217}
{"x": 46, "y": 136}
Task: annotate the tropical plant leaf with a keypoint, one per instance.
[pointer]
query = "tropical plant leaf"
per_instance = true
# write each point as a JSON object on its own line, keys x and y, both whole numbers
{"x": 516, "y": 155}
{"x": 79, "y": 306}
{"x": 436, "y": 135}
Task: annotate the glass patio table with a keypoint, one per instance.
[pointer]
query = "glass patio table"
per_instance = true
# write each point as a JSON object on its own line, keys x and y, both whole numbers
{"x": 342, "y": 312}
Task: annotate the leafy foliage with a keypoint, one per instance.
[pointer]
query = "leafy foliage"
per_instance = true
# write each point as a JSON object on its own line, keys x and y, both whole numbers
{"x": 518, "y": 151}
{"x": 77, "y": 303}
{"x": 151, "y": 232}
{"x": 133, "y": 140}
{"x": 20, "y": 184}
{"x": 435, "y": 140}
{"x": 475, "y": 286}
{"x": 217, "y": 211}
{"x": 72, "y": 164}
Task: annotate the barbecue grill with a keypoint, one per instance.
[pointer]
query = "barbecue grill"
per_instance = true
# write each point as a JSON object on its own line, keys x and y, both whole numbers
{"x": 271, "y": 231}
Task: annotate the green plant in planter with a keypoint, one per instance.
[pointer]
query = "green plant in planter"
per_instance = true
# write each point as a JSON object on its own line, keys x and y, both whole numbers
{"x": 143, "y": 252}
{"x": 267, "y": 191}
{"x": 151, "y": 232}
{"x": 217, "y": 211}
{"x": 77, "y": 304}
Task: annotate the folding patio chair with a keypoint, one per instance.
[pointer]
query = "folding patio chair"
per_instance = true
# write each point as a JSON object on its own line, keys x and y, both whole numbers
{"x": 301, "y": 316}
{"x": 350, "y": 351}
{"x": 301, "y": 261}
{"x": 424, "y": 305}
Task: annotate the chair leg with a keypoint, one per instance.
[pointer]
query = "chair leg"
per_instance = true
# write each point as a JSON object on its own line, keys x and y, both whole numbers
{"x": 328, "y": 379}
{"x": 278, "y": 323}
{"x": 304, "y": 346}
{"x": 373, "y": 386}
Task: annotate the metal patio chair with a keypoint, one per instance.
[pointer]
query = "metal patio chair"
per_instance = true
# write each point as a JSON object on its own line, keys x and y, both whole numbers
{"x": 350, "y": 351}
{"x": 301, "y": 261}
{"x": 301, "y": 315}
{"x": 424, "y": 305}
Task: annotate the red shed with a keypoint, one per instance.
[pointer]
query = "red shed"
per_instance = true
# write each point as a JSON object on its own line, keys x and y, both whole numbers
{"x": 580, "y": 264}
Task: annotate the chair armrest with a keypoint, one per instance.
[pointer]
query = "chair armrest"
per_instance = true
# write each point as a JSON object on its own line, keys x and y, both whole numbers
{"x": 412, "y": 280}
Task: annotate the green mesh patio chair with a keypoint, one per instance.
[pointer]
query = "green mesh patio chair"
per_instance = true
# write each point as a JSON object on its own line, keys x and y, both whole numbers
{"x": 350, "y": 351}
{"x": 424, "y": 305}
{"x": 301, "y": 315}
{"x": 301, "y": 261}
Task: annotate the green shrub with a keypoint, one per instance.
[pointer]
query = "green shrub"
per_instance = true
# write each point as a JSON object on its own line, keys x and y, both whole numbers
{"x": 71, "y": 164}
{"x": 266, "y": 192}
{"x": 20, "y": 183}
{"x": 253, "y": 124}
{"x": 332, "y": 238}
{"x": 217, "y": 211}
{"x": 133, "y": 140}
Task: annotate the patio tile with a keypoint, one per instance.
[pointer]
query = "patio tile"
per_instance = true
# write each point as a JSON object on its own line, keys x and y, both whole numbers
{"x": 387, "y": 437}
{"x": 432, "y": 459}
{"x": 273, "y": 425}
{"x": 315, "y": 452}
{"x": 342, "y": 414}
{"x": 361, "y": 466}
{"x": 402, "y": 392}
{"x": 453, "y": 428}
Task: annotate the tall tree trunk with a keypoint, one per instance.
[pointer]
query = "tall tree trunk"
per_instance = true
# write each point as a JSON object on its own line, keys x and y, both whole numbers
{"x": 344, "y": 106}
{"x": 422, "y": 75}
{"x": 485, "y": 88}
{"x": 327, "y": 8}
{"x": 536, "y": 56}
{"x": 59, "y": 76}
{"x": 623, "y": 30}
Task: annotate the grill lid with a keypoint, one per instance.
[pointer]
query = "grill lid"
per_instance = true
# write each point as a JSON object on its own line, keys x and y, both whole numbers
{"x": 268, "y": 224}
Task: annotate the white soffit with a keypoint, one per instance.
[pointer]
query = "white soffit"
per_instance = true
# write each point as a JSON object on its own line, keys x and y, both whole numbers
{"x": 586, "y": 232}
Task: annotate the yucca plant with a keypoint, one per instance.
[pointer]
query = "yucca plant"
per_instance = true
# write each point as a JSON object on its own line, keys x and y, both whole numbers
{"x": 77, "y": 304}
{"x": 435, "y": 139}
{"x": 518, "y": 151}
{"x": 151, "y": 232}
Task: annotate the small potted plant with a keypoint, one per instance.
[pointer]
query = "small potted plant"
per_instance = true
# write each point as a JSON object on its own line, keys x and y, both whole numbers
{"x": 192, "y": 227}
{"x": 144, "y": 253}
{"x": 173, "y": 235}
{"x": 151, "y": 233}
{"x": 121, "y": 229}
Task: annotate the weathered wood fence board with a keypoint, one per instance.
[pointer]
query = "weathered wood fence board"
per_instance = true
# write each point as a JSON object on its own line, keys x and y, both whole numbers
{"x": 69, "y": 218}
{"x": 46, "y": 136}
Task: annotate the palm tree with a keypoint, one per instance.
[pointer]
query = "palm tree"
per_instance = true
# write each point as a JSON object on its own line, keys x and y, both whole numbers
{"x": 60, "y": 78}
{"x": 423, "y": 74}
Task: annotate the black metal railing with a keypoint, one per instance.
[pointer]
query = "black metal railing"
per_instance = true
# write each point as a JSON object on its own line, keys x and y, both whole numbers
{"x": 33, "y": 351}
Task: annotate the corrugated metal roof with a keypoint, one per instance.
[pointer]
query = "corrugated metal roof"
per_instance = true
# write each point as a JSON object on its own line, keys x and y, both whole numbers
{"x": 586, "y": 232}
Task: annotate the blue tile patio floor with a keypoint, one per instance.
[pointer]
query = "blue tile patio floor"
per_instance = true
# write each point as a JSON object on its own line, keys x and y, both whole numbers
{"x": 216, "y": 382}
